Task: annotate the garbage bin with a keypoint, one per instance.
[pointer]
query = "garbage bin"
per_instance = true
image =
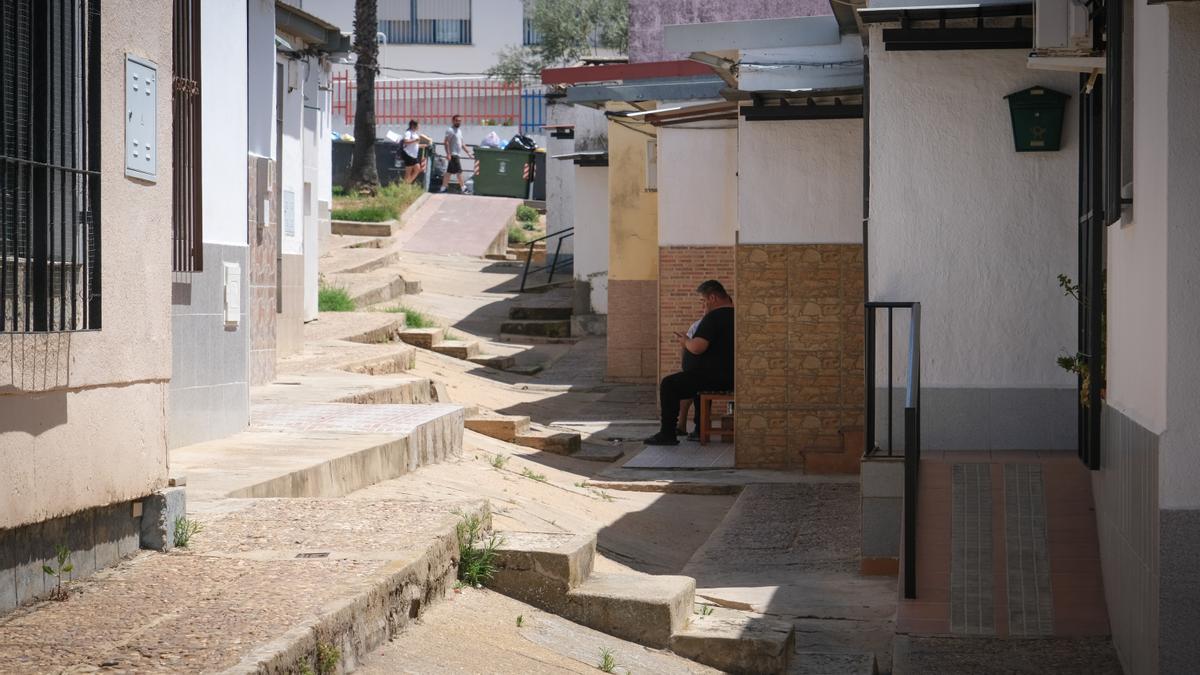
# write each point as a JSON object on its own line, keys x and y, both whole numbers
{"x": 503, "y": 173}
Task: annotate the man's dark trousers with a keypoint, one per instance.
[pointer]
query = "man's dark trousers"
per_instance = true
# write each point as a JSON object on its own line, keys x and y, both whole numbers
{"x": 679, "y": 387}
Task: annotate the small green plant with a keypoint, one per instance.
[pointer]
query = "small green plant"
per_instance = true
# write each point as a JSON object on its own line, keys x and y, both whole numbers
{"x": 1078, "y": 363}
{"x": 364, "y": 214}
{"x": 604, "y": 495}
{"x": 539, "y": 477}
{"x": 704, "y": 610}
{"x": 581, "y": 484}
{"x": 327, "y": 658}
{"x": 334, "y": 299}
{"x": 412, "y": 318}
{"x": 63, "y": 566}
{"x": 185, "y": 529}
{"x": 520, "y": 620}
{"x": 476, "y": 551}
{"x": 498, "y": 461}
{"x": 339, "y": 191}
{"x": 527, "y": 214}
{"x": 608, "y": 660}
{"x": 306, "y": 669}
{"x": 516, "y": 234}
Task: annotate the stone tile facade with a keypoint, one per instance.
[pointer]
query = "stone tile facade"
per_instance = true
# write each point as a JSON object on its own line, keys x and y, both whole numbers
{"x": 799, "y": 356}
{"x": 680, "y": 270}
{"x": 632, "y": 331}
{"x": 263, "y": 268}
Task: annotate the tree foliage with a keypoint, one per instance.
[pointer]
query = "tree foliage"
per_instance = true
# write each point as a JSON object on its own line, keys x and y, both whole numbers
{"x": 570, "y": 30}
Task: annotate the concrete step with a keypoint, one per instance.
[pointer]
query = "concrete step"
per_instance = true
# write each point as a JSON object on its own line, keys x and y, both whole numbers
{"x": 501, "y": 427}
{"x": 400, "y": 361}
{"x": 373, "y": 288}
{"x": 541, "y": 438}
{"x": 357, "y": 263}
{"x": 459, "y": 349}
{"x": 424, "y": 338}
{"x": 541, "y": 568}
{"x": 389, "y": 332}
{"x": 551, "y": 328}
{"x": 534, "y": 313}
{"x": 342, "y": 387}
{"x": 641, "y": 608}
{"x": 736, "y": 642}
{"x": 495, "y": 361}
{"x": 836, "y": 663}
{"x": 360, "y": 229}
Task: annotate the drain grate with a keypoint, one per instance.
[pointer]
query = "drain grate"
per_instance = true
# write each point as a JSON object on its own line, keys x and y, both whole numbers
{"x": 320, "y": 554}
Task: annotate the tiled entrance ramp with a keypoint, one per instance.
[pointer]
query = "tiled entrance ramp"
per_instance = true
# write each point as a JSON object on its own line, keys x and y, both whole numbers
{"x": 686, "y": 455}
{"x": 1006, "y": 547}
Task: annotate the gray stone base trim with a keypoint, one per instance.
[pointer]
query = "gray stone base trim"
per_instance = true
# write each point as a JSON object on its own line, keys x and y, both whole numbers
{"x": 96, "y": 538}
{"x": 985, "y": 419}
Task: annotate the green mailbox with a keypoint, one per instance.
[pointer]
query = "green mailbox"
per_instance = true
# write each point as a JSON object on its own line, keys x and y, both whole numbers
{"x": 1037, "y": 118}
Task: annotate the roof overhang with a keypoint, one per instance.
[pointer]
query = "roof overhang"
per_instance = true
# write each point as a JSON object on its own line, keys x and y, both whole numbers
{"x": 756, "y": 34}
{"x": 316, "y": 32}
{"x": 984, "y": 25}
{"x": 704, "y": 112}
{"x": 670, "y": 89}
{"x": 593, "y": 158}
{"x": 624, "y": 71}
{"x": 833, "y": 66}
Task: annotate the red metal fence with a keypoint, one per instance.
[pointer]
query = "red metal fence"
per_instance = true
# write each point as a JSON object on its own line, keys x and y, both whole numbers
{"x": 435, "y": 101}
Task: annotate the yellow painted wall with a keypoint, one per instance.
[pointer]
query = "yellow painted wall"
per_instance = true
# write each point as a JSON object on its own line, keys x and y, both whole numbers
{"x": 633, "y": 210}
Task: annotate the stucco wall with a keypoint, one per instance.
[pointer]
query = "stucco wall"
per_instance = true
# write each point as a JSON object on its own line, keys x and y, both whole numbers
{"x": 965, "y": 225}
{"x": 292, "y": 158}
{"x": 591, "y": 233}
{"x": 633, "y": 210}
{"x": 802, "y": 182}
{"x": 223, "y": 115}
{"x": 83, "y": 415}
{"x": 648, "y": 17}
{"x": 697, "y": 186}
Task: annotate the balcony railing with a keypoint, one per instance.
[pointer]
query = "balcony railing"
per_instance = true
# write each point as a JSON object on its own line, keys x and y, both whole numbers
{"x": 477, "y": 100}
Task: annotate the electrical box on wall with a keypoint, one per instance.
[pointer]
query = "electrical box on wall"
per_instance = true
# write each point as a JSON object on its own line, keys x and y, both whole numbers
{"x": 141, "y": 117}
{"x": 233, "y": 293}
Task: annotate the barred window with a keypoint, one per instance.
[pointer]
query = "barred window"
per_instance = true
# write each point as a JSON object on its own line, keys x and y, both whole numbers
{"x": 187, "y": 249}
{"x": 425, "y": 22}
{"x": 49, "y": 165}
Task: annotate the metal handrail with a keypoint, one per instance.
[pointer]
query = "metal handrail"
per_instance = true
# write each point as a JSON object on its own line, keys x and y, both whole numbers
{"x": 912, "y": 420}
{"x": 561, "y": 234}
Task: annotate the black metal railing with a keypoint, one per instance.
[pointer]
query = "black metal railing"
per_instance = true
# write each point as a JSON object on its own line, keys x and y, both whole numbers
{"x": 186, "y": 184}
{"x": 557, "y": 261}
{"x": 912, "y": 417}
{"x": 49, "y": 165}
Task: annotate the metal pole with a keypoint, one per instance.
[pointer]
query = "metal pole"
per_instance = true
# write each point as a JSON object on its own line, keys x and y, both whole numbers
{"x": 891, "y": 399}
{"x": 554, "y": 266}
{"x": 525, "y": 274}
{"x": 869, "y": 379}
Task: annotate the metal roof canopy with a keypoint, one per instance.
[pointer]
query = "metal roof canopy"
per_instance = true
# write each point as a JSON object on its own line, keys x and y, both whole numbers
{"x": 590, "y": 158}
{"x": 314, "y": 30}
{"x": 835, "y": 66}
{"x": 721, "y": 110}
{"x": 756, "y": 34}
{"x": 690, "y": 89}
{"x": 623, "y": 71}
{"x": 935, "y": 12}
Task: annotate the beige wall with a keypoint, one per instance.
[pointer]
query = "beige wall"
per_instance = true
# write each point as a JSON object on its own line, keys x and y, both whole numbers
{"x": 633, "y": 210}
{"x": 83, "y": 415}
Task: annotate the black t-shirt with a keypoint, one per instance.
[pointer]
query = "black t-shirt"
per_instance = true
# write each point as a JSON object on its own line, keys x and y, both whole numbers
{"x": 717, "y": 361}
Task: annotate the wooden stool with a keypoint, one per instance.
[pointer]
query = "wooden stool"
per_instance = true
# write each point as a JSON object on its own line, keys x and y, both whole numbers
{"x": 707, "y": 399}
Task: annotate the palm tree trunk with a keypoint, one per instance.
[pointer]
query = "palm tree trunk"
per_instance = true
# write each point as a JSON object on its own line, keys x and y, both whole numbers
{"x": 364, "y": 175}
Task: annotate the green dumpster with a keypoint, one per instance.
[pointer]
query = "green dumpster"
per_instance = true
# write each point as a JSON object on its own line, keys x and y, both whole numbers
{"x": 503, "y": 173}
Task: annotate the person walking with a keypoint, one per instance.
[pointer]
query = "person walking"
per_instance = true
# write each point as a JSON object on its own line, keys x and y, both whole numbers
{"x": 456, "y": 149}
{"x": 410, "y": 151}
{"x": 713, "y": 344}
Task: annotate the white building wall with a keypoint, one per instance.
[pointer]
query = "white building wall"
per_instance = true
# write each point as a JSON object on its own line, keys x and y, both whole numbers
{"x": 560, "y": 175}
{"x": 801, "y": 182}
{"x": 697, "y": 185}
{"x": 291, "y": 164}
{"x": 591, "y": 233}
{"x": 977, "y": 233}
{"x": 260, "y": 63}
{"x": 223, "y": 116}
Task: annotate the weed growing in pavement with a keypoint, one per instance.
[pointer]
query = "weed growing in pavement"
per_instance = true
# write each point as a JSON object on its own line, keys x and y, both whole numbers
{"x": 703, "y": 610}
{"x": 334, "y": 299}
{"x": 306, "y": 669}
{"x": 498, "y": 461}
{"x": 412, "y": 318}
{"x": 476, "y": 551}
{"x": 581, "y": 484}
{"x": 185, "y": 529}
{"x": 520, "y": 620}
{"x": 327, "y": 658}
{"x": 516, "y": 235}
{"x": 603, "y": 495}
{"x": 539, "y": 477}
{"x": 64, "y": 566}
{"x": 608, "y": 660}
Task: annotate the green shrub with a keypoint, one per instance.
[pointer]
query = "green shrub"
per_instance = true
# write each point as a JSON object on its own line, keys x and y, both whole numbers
{"x": 339, "y": 191}
{"x": 527, "y": 213}
{"x": 476, "y": 551}
{"x": 364, "y": 214}
{"x": 516, "y": 235}
{"x": 412, "y": 318}
{"x": 334, "y": 299}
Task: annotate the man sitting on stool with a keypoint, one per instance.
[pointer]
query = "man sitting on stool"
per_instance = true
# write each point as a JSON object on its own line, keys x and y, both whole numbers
{"x": 713, "y": 345}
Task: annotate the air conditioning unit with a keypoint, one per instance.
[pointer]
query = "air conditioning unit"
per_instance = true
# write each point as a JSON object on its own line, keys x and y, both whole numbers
{"x": 1062, "y": 27}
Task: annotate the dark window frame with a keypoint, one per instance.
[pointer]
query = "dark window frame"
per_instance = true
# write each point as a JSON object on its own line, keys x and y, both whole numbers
{"x": 418, "y": 31}
{"x": 49, "y": 166}
{"x": 186, "y": 179}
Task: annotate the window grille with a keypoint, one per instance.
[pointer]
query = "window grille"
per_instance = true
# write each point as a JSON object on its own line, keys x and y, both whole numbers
{"x": 49, "y": 165}
{"x": 187, "y": 249}
{"x": 425, "y": 22}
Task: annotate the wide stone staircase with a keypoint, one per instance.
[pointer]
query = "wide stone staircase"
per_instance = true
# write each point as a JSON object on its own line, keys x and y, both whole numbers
{"x": 555, "y": 572}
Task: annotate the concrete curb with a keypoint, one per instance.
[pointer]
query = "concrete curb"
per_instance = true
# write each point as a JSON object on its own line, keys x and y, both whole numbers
{"x": 383, "y": 606}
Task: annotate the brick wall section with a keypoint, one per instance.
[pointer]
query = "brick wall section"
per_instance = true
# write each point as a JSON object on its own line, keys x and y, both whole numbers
{"x": 680, "y": 270}
{"x": 799, "y": 353}
{"x": 632, "y": 331}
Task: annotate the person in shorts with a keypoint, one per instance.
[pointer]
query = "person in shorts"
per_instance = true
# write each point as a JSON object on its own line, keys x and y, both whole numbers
{"x": 410, "y": 151}
{"x": 456, "y": 150}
